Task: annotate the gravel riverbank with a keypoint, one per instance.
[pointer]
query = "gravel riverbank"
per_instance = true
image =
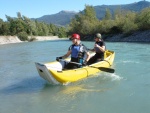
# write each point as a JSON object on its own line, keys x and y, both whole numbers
{"x": 15, "y": 39}
{"x": 139, "y": 36}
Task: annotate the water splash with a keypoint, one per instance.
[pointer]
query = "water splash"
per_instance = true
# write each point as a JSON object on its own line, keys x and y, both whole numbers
{"x": 115, "y": 77}
{"x": 110, "y": 76}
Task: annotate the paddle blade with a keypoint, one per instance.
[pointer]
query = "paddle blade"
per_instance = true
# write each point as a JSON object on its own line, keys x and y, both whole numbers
{"x": 110, "y": 70}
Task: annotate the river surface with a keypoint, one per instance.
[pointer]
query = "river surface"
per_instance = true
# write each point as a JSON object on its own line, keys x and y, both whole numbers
{"x": 22, "y": 90}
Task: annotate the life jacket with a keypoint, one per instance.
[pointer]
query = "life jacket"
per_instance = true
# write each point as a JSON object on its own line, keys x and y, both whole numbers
{"x": 77, "y": 53}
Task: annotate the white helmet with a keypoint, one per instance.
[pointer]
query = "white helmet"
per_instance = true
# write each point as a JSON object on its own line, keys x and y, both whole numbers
{"x": 98, "y": 35}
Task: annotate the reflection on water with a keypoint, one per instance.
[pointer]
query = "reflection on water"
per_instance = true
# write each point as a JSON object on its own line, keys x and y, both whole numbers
{"x": 69, "y": 97}
{"x": 93, "y": 84}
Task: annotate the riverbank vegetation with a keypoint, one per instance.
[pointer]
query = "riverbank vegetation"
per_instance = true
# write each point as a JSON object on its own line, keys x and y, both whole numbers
{"x": 121, "y": 22}
{"x": 85, "y": 23}
{"x": 24, "y": 27}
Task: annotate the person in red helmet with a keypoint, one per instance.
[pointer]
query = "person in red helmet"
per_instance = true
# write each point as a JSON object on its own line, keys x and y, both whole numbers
{"x": 77, "y": 52}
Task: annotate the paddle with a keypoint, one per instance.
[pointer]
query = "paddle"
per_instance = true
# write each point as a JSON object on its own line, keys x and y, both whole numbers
{"x": 71, "y": 62}
{"x": 109, "y": 70}
{"x": 105, "y": 69}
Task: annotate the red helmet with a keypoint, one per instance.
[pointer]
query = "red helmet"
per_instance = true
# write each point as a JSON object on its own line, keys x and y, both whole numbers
{"x": 75, "y": 36}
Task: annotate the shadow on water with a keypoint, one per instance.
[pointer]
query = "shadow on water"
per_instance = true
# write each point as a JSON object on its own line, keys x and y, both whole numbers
{"x": 28, "y": 85}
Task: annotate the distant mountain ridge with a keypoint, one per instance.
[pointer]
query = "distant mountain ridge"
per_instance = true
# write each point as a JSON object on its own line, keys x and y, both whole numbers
{"x": 61, "y": 18}
{"x": 136, "y": 7}
{"x": 64, "y": 17}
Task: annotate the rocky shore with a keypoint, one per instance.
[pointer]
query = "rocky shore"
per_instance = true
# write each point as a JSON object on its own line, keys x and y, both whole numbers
{"x": 139, "y": 36}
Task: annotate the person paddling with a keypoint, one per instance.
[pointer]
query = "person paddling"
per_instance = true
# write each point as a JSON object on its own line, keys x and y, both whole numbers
{"x": 99, "y": 48}
{"x": 77, "y": 52}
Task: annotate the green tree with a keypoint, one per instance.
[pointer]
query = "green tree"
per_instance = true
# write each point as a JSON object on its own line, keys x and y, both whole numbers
{"x": 85, "y": 22}
{"x": 4, "y": 28}
{"x": 53, "y": 29}
{"x": 108, "y": 15}
{"x": 28, "y": 27}
{"x": 105, "y": 26}
{"x": 19, "y": 26}
{"x": 19, "y": 15}
{"x": 62, "y": 32}
{"x": 75, "y": 24}
{"x": 129, "y": 23}
{"x": 143, "y": 19}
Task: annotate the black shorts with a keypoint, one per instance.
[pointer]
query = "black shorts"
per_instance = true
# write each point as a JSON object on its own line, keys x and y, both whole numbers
{"x": 96, "y": 58}
{"x": 72, "y": 65}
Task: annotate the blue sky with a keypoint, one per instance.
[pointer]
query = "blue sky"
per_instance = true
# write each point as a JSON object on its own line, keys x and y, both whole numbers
{"x": 38, "y": 8}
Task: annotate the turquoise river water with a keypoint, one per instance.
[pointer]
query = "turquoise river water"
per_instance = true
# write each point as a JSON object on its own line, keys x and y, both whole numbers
{"x": 22, "y": 90}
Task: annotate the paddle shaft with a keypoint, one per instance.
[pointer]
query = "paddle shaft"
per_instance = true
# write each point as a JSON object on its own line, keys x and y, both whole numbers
{"x": 72, "y": 62}
{"x": 105, "y": 69}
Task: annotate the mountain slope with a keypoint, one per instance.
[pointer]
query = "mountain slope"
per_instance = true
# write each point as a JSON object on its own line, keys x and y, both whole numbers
{"x": 136, "y": 7}
{"x": 64, "y": 17}
{"x": 61, "y": 18}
